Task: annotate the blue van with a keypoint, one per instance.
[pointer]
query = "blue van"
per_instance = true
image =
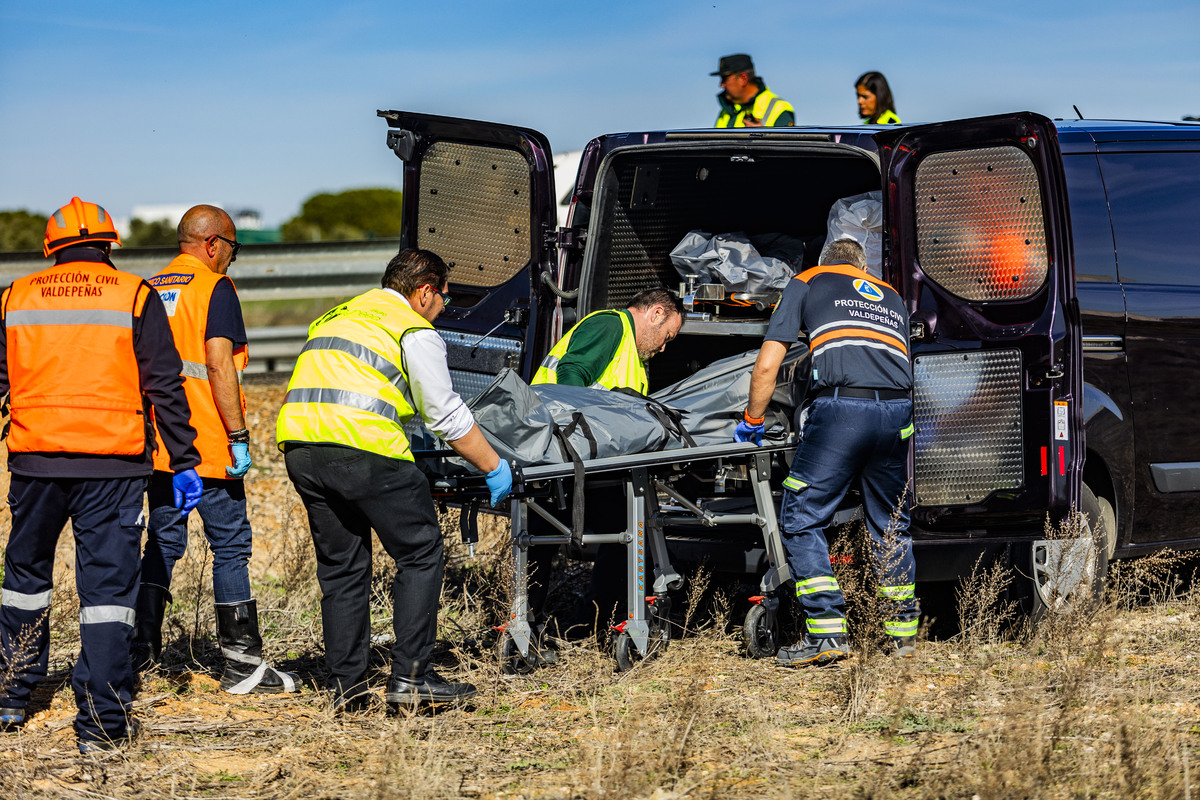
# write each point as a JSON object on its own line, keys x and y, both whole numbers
{"x": 1049, "y": 269}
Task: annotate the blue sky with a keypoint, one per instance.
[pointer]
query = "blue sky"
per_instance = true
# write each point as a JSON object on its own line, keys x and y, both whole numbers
{"x": 262, "y": 104}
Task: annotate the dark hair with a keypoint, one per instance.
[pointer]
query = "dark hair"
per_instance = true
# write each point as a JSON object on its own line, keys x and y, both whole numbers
{"x": 411, "y": 269}
{"x": 657, "y": 296}
{"x": 878, "y": 86}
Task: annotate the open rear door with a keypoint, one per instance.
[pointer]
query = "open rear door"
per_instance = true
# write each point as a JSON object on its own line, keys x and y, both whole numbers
{"x": 481, "y": 196}
{"x": 980, "y": 247}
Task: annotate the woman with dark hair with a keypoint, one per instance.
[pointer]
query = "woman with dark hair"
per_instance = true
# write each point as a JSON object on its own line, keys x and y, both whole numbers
{"x": 875, "y": 103}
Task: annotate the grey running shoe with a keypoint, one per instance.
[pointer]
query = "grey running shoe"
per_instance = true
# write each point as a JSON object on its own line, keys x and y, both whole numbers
{"x": 813, "y": 651}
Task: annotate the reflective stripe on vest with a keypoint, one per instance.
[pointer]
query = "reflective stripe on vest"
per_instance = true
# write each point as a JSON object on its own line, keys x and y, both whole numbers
{"x": 349, "y": 386}
{"x": 186, "y": 287}
{"x": 74, "y": 378}
{"x": 625, "y": 371}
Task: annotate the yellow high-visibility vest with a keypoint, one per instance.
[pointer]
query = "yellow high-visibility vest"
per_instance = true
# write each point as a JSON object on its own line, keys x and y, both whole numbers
{"x": 625, "y": 370}
{"x": 767, "y": 107}
{"x": 349, "y": 384}
{"x": 886, "y": 118}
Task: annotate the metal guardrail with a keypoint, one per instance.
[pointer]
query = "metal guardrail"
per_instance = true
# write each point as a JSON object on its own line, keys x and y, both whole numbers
{"x": 261, "y": 272}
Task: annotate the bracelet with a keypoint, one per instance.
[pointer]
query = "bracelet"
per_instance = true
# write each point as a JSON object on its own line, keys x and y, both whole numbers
{"x": 753, "y": 420}
{"x": 239, "y": 437}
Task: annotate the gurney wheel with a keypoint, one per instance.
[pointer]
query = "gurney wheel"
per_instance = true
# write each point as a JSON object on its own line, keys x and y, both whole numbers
{"x": 759, "y": 632}
{"x": 511, "y": 660}
{"x": 627, "y": 653}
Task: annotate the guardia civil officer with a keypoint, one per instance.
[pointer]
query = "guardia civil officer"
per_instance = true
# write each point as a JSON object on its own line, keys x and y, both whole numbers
{"x": 86, "y": 360}
{"x": 607, "y": 349}
{"x": 858, "y": 424}
{"x": 369, "y": 366}
{"x": 745, "y": 100}
{"x": 206, "y": 321}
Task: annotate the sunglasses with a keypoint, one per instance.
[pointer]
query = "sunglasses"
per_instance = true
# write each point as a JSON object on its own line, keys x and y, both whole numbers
{"x": 445, "y": 297}
{"x": 236, "y": 245}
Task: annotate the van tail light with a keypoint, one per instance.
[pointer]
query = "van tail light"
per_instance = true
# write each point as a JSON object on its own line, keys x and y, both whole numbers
{"x": 1045, "y": 461}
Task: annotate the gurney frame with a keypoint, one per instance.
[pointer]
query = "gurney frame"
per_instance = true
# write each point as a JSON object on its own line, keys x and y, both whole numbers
{"x": 649, "y": 571}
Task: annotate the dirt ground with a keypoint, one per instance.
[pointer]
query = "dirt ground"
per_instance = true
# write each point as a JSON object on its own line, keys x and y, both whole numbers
{"x": 1099, "y": 702}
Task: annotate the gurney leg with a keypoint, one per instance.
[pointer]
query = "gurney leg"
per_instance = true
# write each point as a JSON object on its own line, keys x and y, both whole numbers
{"x": 665, "y": 576}
{"x": 518, "y": 625}
{"x": 778, "y": 573}
{"x": 644, "y": 633}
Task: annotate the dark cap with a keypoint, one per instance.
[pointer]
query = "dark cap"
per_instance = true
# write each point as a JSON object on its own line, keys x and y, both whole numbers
{"x": 730, "y": 65}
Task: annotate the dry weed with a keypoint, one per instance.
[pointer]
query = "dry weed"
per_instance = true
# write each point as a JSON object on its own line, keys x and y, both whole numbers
{"x": 1101, "y": 703}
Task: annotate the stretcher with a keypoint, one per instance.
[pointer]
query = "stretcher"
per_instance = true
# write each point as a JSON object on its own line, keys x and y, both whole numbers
{"x": 660, "y": 495}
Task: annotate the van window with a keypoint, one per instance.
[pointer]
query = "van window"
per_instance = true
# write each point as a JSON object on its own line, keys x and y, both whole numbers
{"x": 1155, "y": 203}
{"x": 1091, "y": 232}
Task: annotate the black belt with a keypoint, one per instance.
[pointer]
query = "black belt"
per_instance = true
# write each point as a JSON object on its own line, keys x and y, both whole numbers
{"x": 864, "y": 394}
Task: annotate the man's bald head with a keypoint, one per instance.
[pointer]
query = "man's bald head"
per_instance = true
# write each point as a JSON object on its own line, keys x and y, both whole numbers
{"x": 205, "y": 232}
{"x": 201, "y": 222}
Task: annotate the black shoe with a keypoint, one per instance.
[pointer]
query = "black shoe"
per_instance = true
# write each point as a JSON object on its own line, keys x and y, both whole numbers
{"x": 352, "y": 704}
{"x": 903, "y": 646}
{"x": 813, "y": 651}
{"x": 430, "y": 690}
{"x": 11, "y": 718}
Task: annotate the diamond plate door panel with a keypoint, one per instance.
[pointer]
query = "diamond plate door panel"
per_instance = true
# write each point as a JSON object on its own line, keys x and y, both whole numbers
{"x": 969, "y": 428}
{"x": 981, "y": 233}
{"x": 474, "y": 211}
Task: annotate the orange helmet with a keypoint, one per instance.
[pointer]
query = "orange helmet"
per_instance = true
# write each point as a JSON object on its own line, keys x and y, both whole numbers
{"x": 78, "y": 222}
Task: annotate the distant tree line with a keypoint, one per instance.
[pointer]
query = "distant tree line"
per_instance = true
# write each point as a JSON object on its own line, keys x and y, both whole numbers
{"x": 324, "y": 217}
{"x": 352, "y": 214}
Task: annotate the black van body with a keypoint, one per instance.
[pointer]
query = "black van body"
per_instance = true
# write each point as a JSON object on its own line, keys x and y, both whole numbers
{"x": 1048, "y": 266}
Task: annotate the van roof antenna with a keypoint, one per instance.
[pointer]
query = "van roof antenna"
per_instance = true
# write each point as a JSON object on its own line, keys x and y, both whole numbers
{"x": 1077, "y": 111}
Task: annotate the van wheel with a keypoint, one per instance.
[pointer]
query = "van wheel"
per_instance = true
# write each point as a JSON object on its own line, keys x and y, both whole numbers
{"x": 1068, "y": 571}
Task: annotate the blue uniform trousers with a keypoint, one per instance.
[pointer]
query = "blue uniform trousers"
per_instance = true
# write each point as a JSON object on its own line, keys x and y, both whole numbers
{"x": 222, "y": 509}
{"x": 844, "y": 439}
{"x": 107, "y": 519}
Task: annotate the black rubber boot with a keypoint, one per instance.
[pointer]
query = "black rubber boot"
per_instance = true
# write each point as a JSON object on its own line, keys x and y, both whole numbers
{"x": 146, "y": 647}
{"x": 245, "y": 670}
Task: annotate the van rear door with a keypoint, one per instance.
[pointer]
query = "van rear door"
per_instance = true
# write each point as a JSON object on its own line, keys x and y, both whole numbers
{"x": 980, "y": 248}
{"x": 481, "y": 196}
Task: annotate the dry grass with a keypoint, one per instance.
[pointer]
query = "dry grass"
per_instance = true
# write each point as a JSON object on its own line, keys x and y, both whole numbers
{"x": 1099, "y": 703}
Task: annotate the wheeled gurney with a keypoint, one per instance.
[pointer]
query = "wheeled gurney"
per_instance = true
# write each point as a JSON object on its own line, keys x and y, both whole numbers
{"x": 656, "y": 491}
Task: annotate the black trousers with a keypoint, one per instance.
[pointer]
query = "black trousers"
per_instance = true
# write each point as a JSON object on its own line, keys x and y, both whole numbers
{"x": 347, "y": 493}
{"x": 107, "y": 519}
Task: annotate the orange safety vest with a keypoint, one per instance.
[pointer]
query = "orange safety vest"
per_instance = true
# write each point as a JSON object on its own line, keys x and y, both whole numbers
{"x": 73, "y": 374}
{"x": 186, "y": 287}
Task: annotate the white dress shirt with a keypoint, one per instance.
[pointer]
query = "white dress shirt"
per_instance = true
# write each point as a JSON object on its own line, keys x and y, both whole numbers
{"x": 429, "y": 389}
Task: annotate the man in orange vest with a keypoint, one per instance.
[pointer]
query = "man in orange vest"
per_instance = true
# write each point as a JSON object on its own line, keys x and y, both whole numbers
{"x": 210, "y": 335}
{"x": 86, "y": 363}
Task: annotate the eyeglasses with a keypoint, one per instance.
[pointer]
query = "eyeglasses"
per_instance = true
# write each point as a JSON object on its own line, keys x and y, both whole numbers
{"x": 236, "y": 245}
{"x": 445, "y": 297}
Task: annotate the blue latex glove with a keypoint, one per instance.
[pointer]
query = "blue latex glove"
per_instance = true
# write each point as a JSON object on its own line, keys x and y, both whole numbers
{"x": 241, "y": 459}
{"x": 745, "y": 432}
{"x": 188, "y": 488}
{"x": 499, "y": 482}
